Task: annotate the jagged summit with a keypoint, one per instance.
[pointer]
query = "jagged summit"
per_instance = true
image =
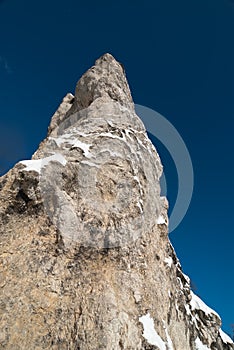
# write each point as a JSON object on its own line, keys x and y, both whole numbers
{"x": 105, "y": 81}
{"x": 85, "y": 259}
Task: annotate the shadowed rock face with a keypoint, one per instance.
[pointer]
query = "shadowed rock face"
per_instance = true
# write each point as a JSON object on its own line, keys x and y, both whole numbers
{"x": 85, "y": 260}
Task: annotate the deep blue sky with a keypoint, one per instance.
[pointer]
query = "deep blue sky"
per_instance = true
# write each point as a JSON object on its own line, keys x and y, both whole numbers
{"x": 179, "y": 61}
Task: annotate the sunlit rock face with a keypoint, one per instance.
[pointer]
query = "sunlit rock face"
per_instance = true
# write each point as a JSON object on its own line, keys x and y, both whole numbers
{"x": 108, "y": 192}
{"x": 85, "y": 260}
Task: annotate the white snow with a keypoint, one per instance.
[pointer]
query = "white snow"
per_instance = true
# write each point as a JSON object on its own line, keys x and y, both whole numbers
{"x": 84, "y": 147}
{"x": 34, "y": 165}
{"x": 200, "y": 345}
{"x": 225, "y": 338}
{"x": 180, "y": 282}
{"x": 37, "y": 164}
{"x": 150, "y": 333}
{"x": 193, "y": 319}
{"x": 188, "y": 312}
{"x": 161, "y": 220}
{"x": 55, "y": 157}
{"x": 139, "y": 205}
{"x": 187, "y": 278}
{"x": 74, "y": 142}
{"x": 109, "y": 134}
{"x": 169, "y": 341}
{"x": 128, "y": 132}
{"x": 140, "y": 142}
{"x": 198, "y": 304}
{"x": 135, "y": 177}
{"x": 168, "y": 261}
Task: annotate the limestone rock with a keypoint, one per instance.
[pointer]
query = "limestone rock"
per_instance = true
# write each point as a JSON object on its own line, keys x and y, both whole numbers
{"x": 85, "y": 259}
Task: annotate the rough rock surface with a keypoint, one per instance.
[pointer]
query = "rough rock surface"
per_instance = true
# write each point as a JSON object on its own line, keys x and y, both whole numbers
{"x": 85, "y": 259}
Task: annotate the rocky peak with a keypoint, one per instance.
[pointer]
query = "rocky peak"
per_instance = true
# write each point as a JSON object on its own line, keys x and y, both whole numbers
{"x": 99, "y": 136}
{"x": 85, "y": 259}
{"x": 105, "y": 81}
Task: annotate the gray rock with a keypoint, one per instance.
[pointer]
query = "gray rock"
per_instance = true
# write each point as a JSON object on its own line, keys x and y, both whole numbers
{"x": 85, "y": 259}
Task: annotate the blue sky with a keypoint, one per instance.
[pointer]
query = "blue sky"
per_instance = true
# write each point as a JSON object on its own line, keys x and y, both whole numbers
{"x": 178, "y": 56}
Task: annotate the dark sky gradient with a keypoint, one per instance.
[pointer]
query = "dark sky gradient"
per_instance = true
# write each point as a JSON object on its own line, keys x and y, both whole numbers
{"x": 178, "y": 56}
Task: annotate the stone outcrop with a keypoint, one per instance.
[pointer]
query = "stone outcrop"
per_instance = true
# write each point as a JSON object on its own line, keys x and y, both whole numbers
{"x": 85, "y": 259}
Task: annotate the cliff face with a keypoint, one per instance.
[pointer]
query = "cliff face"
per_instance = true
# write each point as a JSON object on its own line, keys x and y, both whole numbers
{"x": 85, "y": 259}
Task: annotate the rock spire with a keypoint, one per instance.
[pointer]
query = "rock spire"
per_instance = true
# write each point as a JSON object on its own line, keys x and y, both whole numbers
{"x": 85, "y": 259}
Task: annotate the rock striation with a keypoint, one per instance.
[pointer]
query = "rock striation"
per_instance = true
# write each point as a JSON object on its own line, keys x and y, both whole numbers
{"x": 85, "y": 259}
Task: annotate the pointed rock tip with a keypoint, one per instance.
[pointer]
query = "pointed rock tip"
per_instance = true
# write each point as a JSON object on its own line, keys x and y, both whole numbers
{"x": 105, "y": 79}
{"x": 108, "y": 58}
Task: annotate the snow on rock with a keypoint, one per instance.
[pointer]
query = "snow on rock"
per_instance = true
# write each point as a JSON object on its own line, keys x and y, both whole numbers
{"x": 187, "y": 279}
{"x": 180, "y": 282}
{"x": 200, "y": 345}
{"x": 225, "y": 338}
{"x": 168, "y": 261}
{"x": 161, "y": 220}
{"x": 32, "y": 165}
{"x": 74, "y": 142}
{"x": 113, "y": 136}
{"x": 150, "y": 333}
{"x": 139, "y": 205}
{"x": 169, "y": 341}
{"x": 84, "y": 147}
{"x": 37, "y": 164}
{"x": 198, "y": 304}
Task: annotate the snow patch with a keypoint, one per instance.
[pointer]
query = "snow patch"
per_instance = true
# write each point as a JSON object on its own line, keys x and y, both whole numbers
{"x": 225, "y": 338}
{"x": 32, "y": 165}
{"x": 200, "y": 345}
{"x": 74, "y": 142}
{"x": 169, "y": 341}
{"x": 140, "y": 205}
{"x": 128, "y": 132}
{"x": 187, "y": 279}
{"x": 150, "y": 333}
{"x": 37, "y": 164}
{"x": 109, "y": 134}
{"x": 192, "y": 318}
{"x": 141, "y": 143}
{"x": 140, "y": 202}
{"x": 180, "y": 282}
{"x": 168, "y": 261}
{"x": 84, "y": 147}
{"x": 161, "y": 220}
{"x": 198, "y": 304}
{"x": 187, "y": 308}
